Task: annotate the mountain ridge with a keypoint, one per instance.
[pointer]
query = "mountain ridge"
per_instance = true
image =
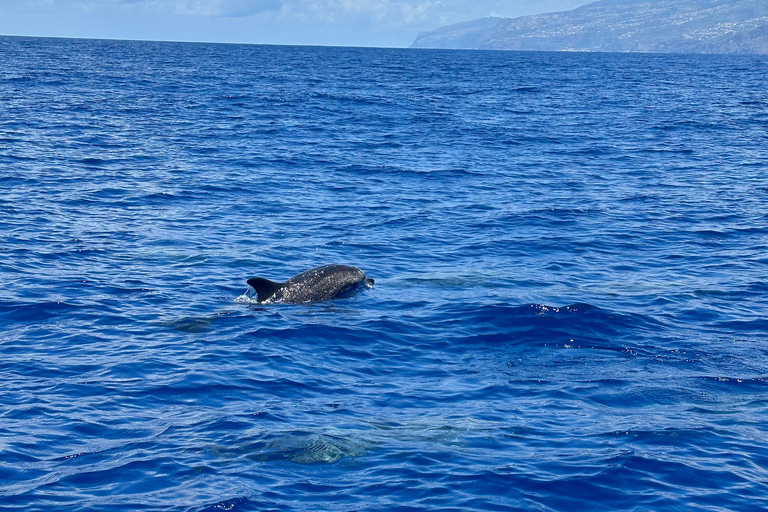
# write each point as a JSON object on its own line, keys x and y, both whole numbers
{"x": 657, "y": 26}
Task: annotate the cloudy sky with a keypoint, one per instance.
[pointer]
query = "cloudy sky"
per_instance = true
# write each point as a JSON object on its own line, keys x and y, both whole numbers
{"x": 322, "y": 22}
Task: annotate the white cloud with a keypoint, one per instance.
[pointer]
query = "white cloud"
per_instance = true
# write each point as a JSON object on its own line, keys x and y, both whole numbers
{"x": 225, "y": 8}
{"x": 185, "y": 7}
{"x": 354, "y": 22}
{"x": 374, "y": 12}
{"x": 382, "y": 13}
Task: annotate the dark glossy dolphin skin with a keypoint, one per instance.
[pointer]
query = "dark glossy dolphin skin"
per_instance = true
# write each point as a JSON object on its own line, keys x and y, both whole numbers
{"x": 321, "y": 283}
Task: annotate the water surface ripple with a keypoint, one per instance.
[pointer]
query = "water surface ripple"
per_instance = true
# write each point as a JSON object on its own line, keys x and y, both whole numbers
{"x": 569, "y": 251}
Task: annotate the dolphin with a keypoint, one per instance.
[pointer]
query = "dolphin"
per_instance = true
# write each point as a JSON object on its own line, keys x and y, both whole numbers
{"x": 321, "y": 283}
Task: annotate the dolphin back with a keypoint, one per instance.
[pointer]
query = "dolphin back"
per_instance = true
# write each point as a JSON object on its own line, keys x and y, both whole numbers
{"x": 317, "y": 284}
{"x": 322, "y": 283}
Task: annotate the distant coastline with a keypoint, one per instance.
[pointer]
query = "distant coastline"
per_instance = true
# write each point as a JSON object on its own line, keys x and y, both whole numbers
{"x": 657, "y": 26}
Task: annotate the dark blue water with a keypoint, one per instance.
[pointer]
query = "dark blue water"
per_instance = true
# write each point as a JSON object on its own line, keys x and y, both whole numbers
{"x": 570, "y": 254}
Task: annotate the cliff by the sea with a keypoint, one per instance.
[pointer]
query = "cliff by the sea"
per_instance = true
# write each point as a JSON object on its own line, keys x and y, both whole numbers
{"x": 668, "y": 26}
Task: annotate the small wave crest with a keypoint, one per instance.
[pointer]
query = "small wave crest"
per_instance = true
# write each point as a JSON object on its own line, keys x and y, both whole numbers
{"x": 230, "y": 505}
{"x": 25, "y": 312}
{"x": 544, "y": 324}
{"x": 248, "y": 297}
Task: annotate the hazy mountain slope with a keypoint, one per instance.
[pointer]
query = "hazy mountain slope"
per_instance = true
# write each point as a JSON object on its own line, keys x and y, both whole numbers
{"x": 695, "y": 26}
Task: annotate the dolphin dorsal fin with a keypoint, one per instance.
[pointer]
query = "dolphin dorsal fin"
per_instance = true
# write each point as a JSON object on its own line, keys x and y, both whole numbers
{"x": 264, "y": 287}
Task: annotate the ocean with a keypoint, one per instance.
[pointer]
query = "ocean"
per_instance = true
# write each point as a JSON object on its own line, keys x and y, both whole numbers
{"x": 570, "y": 251}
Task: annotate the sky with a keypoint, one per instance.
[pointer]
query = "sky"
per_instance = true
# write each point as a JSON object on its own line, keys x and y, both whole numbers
{"x": 390, "y": 23}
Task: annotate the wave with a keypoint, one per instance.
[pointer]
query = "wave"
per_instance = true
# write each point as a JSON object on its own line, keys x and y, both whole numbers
{"x": 25, "y": 312}
{"x": 542, "y": 324}
{"x": 238, "y": 504}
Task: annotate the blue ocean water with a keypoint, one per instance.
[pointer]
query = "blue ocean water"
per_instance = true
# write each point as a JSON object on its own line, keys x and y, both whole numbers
{"x": 570, "y": 254}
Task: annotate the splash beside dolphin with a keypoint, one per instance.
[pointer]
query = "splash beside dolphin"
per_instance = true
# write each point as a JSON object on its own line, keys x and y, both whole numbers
{"x": 315, "y": 285}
